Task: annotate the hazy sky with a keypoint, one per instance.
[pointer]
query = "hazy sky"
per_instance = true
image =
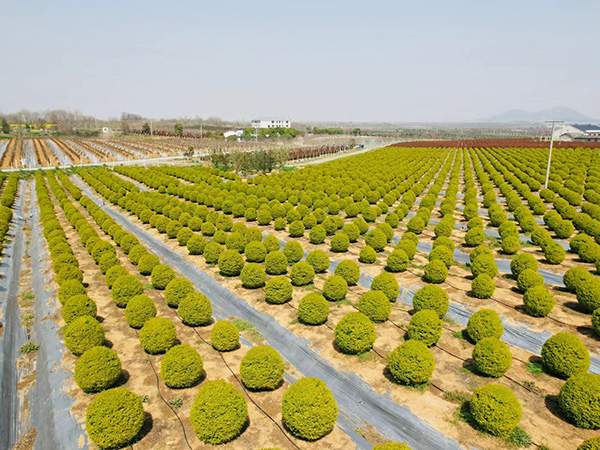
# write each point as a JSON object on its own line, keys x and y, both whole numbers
{"x": 428, "y": 60}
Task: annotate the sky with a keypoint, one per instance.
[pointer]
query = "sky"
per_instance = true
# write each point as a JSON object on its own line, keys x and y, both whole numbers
{"x": 327, "y": 60}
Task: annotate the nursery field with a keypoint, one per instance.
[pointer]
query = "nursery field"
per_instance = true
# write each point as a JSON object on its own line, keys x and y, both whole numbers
{"x": 412, "y": 297}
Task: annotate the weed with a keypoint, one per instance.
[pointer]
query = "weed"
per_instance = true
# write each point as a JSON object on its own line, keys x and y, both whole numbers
{"x": 253, "y": 334}
{"x": 534, "y": 367}
{"x": 449, "y": 321}
{"x": 28, "y": 296}
{"x": 148, "y": 286}
{"x": 144, "y": 398}
{"x": 519, "y": 438}
{"x": 531, "y": 385}
{"x": 28, "y": 319}
{"x": 294, "y": 322}
{"x": 460, "y": 335}
{"x": 29, "y": 347}
{"x": 176, "y": 402}
{"x": 366, "y": 356}
{"x": 342, "y": 302}
{"x": 457, "y": 397}
{"x": 463, "y": 414}
{"x": 422, "y": 387}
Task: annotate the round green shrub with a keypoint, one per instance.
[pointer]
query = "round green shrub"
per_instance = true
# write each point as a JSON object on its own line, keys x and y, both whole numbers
{"x": 69, "y": 289}
{"x": 511, "y": 244}
{"x": 231, "y": 263}
{"x": 278, "y": 290}
{"x": 335, "y": 288}
{"x": 397, "y": 261}
{"x": 375, "y": 305}
{"x": 138, "y": 310}
{"x": 276, "y": 263}
{"x": 224, "y": 336}
{"x": 313, "y": 309}
{"x": 124, "y": 288}
{"x": 255, "y": 252}
{"x": 195, "y": 309}
{"x": 113, "y": 274}
{"x": 100, "y": 249}
{"x": 554, "y": 253}
{"x": 474, "y": 237}
{"x": 147, "y": 263}
{"x": 114, "y": 418}
{"x": 262, "y": 369}
{"x": 107, "y": 261}
{"x": 484, "y": 264}
{"x": 158, "y": 335}
{"x": 483, "y": 286}
{"x": 302, "y": 273}
{"x": 478, "y": 251}
{"x": 496, "y": 409}
{"x": 538, "y": 301}
{"x": 483, "y": 324}
{"x": 352, "y": 231}
{"x": 411, "y": 363}
{"x": 579, "y": 400}
{"x": 173, "y": 228}
{"x": 349, "y": 271}
{"x": 82, "y": 334}
{"x": 317, "y": 234}
{"x": 436, "y": 272}
{"x": 212, "y": 252}
{"x": 355, "y": 333}
{"x": 431, "y": 297}
{"x": 184, "y": 235}
{"x": 253, "y": 276}
{"x": 219, "y": 413}
{"x": 425, "y": 326}
{"x": 309, "y": 410}
{"x": 588, "y": 294}
{"x": 97, "y": 369}
{"x": 376, "y": 240}
{"x": 161, "y": 276}
{"x": 386, "y": 283}
{"x": 565, "y": 355}
{"x": 181, "y": 367}
{"x": 78, "y": 306}
{"x": 416, "y": 225}
{"x": 271, "y": 243}
{"x": 69, "y": 272}
{"x": 319, "y": 260}
{"x": 367, "y": 255}
{"x": 529, "y": 279}
{"x": 177, "y": 290}
{"x": 196, "y": 245}
{"x": 340, "y": 243}
{"x": 293, "y": 252}
{"x": 492, "y": 357}
{"x": 442, "y": 253}
{"x": 590, "y": 444}
{"x": 522, "y": 262}
{"x": 574, "y": 277}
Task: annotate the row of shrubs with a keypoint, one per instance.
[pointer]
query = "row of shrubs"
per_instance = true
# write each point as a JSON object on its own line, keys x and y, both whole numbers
{"x": 7, "y": 200}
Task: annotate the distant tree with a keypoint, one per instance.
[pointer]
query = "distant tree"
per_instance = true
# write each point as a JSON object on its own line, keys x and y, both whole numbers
{"x": 263, "y": 161}
{"x": 146, "y": 128}
{"x": 125, "y": 127}
{"x": 281, "y": 156}
{"x": 5, "y": 126}
{"x": 189, "y": 153}
{"x": 356, "y": 132}
{"x": 178, "y": 128}
{"x": 220, "y": 159}
{"x": 247, "y": 134}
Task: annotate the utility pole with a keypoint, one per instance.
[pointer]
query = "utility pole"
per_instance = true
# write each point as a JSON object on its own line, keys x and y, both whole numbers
{"x": 553, "y": 122}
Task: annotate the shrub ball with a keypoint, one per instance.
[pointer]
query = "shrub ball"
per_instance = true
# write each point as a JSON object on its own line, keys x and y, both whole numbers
{"x": 529, "y": 279}
{"x": 565, "y": 355}
{"x": 397, "y": 261}
{"x": 302, "y": 273}
{"x": 483, "y": 286}
{"x": 97, "y": 369}
{"x": 386, "y": 283}
{"x": 253, "y": 276}
{"x": 492, "y": 357}
{"x": 181, "y": 367}
{"x": 158, "y": 335}
{"x": 78, "y": 306}
{"x": 436, "y": 272}
{"x": 522, "y": 262}
{"x": 313, "y": 309}
{"x": 411, "y": 363}
{"x": 161, "y": 276}
{"x": 425, "y": 326}
{"x": 319, "y": 260}
{"x": 278, "y": 290}
{"x": 177, "y": 290}
{"x": 195, "y": 309}
{"x": 538, "y": 301}
{"x": 82, "y": 334}
{"x": 138, "y": 310}
{"x": 224, "y": 336}
{"x": 496, "y": 409}
{"x": 375, "y": 305}
{"x": 262, "y": 368}
{"x": 483, "y": 324}
{"x": 432, "y": 297}
{"x": 355, "y": 333}
{"x": 276, "y": 263}
{"x": 367, "y": 255}
{"x": 125, "y": 288}
{"x": 579, "y": 400}
{"x": 147, "y": 263}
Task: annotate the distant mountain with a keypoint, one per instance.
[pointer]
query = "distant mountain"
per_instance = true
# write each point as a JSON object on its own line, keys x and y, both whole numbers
{"x": 556, "y": 113}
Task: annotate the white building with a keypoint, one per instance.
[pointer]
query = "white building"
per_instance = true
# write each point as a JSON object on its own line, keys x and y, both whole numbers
{"x": 271, "y": 123}
{"x": 584, "y": 133}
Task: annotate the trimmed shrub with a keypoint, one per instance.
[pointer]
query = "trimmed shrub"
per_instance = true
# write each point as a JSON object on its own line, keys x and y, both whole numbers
{"x": 340, "y": 243}
{"x": 253, "y": 276}
{"x": 483, "y": 324}
{"x": 138, "y": 310}
{"x": 431, "y": 297}
{"x": 97, "y": 369}
{"x": 177, "y": 290}
{"x": 147, "y": 263}
{"x": 335, "y": 288}
{"x": 349, "y": 271}
{"x": 262, "y": 368}
{"x": 492, "y": 357}
{"x": 590, "y": 444}
{"x": 416, "y": 225}
{"x": 579, "y": 400}
{"x": 302, "y": 273}
{"x": 484, "y": 264}
{"x": 554, "y": 253}
{"x": 231, "y": 263}
{"x": 411, "y": 363}
{"x": 386, "y": 283}
{"x": 511, "y": 244}
{"x": 435, "y": 272}
{"x": 538, "y": 301}
{"x": 224, "y": 336}
{"x": 355, "y": 333}
{"x": 107, "y": 261}
{"x": 278, "y": 290}
{"x": 195, "y": 309}
{"x": 319, "y": 260}
{"x": 212, "y": 252}
{"x": 293, "y": 252}
{"x": 69, "y": 289}
{"x": 483, "y": 286}
{"x": 255, "y": 252}
{"x": 184, "y": 235}
{"x": 113, "y": 274}
{"x": 442, "y": 253}
{"x": 352, "y": 231}
{"x": 574, "y": 277}
{"x": 309, "y": 410}
{"x": 276, "y": 263}
{"x": 588, "y": 294}
{"x": 271, "y": 243}
{"x": 78, "y": 306}
{"x": 474, "y": 237}
{"x": 100, "y": 249}
{"x": 313, "y": 309}
{"x": 158, "y": 335}
{"x": 181, "y": 367}
{"x": 565, "y": 355}
{"x": 125, "y": 288}
{"x": 375, "y": 305}
{"x": 425, "y": 326}
{"x": 496, "y": 409}
{"x": 161, "y": 276}
{"x": 196, "y": 245}
{"x": 478, "y": 251}
{"x": 529, "y": 279}
{"x": 82, "y": 334}
{"x": 317, "y": 234}
{"x": 522, "y": 262}
{"x": 397, "y": 261}
{"x": 376, "y": 240}
{"x": 219, "y": 413}
{"x": 236, "y": 241}
{"x": 69, "y": 272}
{"x": 114, "y": 418}
{"x": 367, "y": 255}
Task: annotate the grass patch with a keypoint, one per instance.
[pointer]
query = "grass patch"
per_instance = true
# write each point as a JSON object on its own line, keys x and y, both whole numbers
{"x": 519, "y": 438}
{"x": 463, "y": 414}
{"x": 342, "y": 302}
{"x": 422, "y": 387}
{"x": 457, "y": 397}
{"x": 462, "y": 334}
{"x": 367, "y": 356}
{"x": 294, "y": 322}
{"x": 534, "y": 367}
{"x": 28, "y": 319}
{"x": 176, "y": 402}
{"x": 29, "y": 347}
{"x": 28, "y": 296}
{"x": 148, "y": 286}
{"x": 144, "y": 398}
{"x": 449, "y": 321}
{"x": 253, "y": 334}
